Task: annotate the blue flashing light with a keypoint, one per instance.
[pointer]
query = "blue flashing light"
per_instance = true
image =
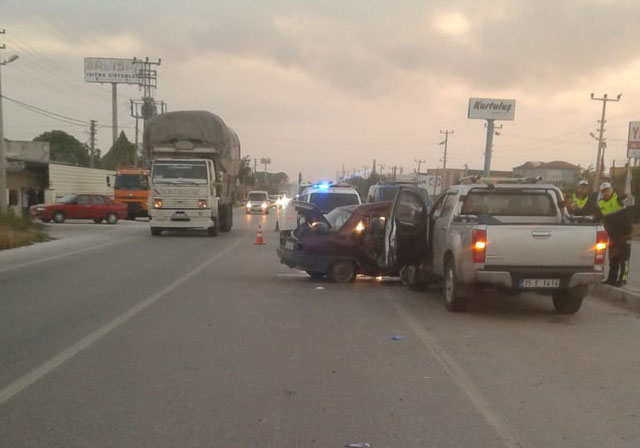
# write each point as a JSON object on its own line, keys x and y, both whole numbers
{"x": 322, "y": 186}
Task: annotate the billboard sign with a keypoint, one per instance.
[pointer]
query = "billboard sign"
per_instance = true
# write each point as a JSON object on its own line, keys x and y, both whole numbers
{"x": 491, "y": 109}
{"x": 633, "y": 143}
{"x": 111, "y": 70}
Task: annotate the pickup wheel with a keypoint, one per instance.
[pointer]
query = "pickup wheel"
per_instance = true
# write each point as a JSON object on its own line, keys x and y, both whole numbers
{"x": 59, "y": 217}
{"x": 569, "y": 301}
{"x": 213, "y": 231}
{"x": 342, "y": 271}
{"x": 451, "y": 290}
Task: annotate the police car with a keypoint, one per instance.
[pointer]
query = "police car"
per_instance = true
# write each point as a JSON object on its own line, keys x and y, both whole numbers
{"x": 327, "y": 196}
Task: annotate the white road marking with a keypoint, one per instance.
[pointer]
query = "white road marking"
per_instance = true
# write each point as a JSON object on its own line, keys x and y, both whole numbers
{"x": 508, "y": 435}
{"x": 66, "y": 254}
{"x": 28, "y": 379}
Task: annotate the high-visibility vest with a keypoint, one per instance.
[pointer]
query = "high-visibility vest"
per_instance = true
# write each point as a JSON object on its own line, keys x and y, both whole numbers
{"x": 580, "y": 203}
{"x": 610, "y": 206}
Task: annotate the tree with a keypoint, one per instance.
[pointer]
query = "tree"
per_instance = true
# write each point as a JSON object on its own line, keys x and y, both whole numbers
{"x": 245, "y": 176}
{"x": 65, "y": 148}
{"x": 121, "y": 154}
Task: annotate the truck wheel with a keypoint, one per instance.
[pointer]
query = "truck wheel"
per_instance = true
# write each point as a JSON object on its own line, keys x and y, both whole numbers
{"x": 569, "y": 301}
{"x": 111, "y": 218}
{"x": 156, "y": 231}
{"x": 342, "y": 271}
{"x": 59, "y": 217}
{"x": 213, "y": 231}
{"x": 453, "y": 301}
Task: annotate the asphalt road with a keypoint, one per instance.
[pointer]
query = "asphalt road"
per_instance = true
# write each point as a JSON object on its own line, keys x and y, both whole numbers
{"x": 113, "y": 338}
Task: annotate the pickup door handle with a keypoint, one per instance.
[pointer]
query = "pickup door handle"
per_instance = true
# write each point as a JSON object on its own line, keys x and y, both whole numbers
{"x": 539, "y": 234}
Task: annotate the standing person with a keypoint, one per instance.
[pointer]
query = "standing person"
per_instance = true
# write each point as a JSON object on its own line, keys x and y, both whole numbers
{"x": 612, "y": 210}
{"x": 582, "y": 202}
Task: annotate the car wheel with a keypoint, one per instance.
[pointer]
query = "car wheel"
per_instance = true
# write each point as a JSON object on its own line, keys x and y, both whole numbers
{"x": 45, "y": 219}
{"x": 413, "y": 280}
{"x": 112, "y": 218}
{"x": 568, "y": 301}
{"x": 453, "y": 300}
{"x": 98, "y": 220}
{"x": 59, "y": 217}
{"x": 156, "y": 231}
{"x": 342, "y": 271}
{"x": 314, "y": 274}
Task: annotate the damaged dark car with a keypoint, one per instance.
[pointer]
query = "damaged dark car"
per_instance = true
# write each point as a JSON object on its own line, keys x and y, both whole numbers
{"x": 347, "y": 241}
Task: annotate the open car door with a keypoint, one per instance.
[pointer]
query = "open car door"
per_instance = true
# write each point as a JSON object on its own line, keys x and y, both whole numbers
{"x": 309, "y": 212}
{"x": 405, "y": 234}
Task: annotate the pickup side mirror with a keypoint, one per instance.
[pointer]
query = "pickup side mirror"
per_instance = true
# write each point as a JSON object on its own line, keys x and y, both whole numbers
{"x": 321, "y": 228}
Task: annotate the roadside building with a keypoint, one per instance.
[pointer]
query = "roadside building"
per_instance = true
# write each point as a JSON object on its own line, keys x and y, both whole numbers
{"x": 32, "y": 178}
{"x": 559, "y": 173}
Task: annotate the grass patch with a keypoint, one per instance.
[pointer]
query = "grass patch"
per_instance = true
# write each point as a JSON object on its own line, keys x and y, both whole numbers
{"x": 16, "y": 231}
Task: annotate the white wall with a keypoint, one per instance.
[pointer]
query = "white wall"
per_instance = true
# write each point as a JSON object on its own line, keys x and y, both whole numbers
{"x": 66, "y": 179}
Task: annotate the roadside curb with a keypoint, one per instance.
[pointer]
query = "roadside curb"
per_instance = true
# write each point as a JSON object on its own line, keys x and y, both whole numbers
{"x": 626, "y": 296}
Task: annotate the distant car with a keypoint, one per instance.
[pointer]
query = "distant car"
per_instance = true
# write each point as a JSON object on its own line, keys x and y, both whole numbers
{"x": 327, "y": 196}
{"x": 258, "y": 201}
{"x": 386, "y": 191}
{"x": 273, "y": 200}
{"x": 81, "y": 206}
{"x": 346, "y": 241}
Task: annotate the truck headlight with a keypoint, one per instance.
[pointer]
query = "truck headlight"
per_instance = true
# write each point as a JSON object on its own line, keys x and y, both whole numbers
{"x": 157, "y": 203}
{"x": 248, "y": 204}
{"x": 264, "y": 205}
{"x": 202, "y": 203}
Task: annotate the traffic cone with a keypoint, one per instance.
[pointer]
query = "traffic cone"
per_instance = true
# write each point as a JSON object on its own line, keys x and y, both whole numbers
{"x": 259, "y": 240}
{"x": 277, "y": 226}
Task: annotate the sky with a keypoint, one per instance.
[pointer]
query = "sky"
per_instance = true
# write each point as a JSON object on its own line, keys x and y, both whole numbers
{"x": 316, "y": 85}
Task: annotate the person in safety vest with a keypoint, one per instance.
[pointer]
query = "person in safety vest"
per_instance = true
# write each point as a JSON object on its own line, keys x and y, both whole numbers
{"x": 582, "y": 202}
{"x": 612, "y": 210}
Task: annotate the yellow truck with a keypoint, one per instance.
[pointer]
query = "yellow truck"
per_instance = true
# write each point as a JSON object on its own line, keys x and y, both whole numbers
{"x": 131, "y": 187}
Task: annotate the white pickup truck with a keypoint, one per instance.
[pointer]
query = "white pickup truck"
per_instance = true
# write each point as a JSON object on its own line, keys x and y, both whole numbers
{"x": 515, "y": 237}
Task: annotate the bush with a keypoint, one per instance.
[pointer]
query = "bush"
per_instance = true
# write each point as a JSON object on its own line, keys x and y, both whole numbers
{"x": 16, "y": 231}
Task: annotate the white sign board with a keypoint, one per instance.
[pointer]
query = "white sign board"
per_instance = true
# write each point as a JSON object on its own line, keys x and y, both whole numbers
{"x": 111, "y": 70}
{"x": 633, "y": 144}
{"x": 488, "y": 109}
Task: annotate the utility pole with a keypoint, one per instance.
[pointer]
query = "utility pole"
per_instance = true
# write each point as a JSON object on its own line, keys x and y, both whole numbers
{"x": 382, "y": 167}
{"x": 114, "y": 112}
{"x": 148, "y": 81}
{"x": 444, "y": 161}
{"x": 92, "y": 143}
{"x": 3, "y": 169}
{"x": 599, "y": 165}
{"x": 419, "y": 162}
{"x": 373, "y": 170}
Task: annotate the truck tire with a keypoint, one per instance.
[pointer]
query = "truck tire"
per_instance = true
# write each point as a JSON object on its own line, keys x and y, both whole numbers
{"x": 451, "y": 290}
{"x": 569, "y": 301}
{"x": 156, "y": 231}
{"x": 213, "y": 231}
{"x": 226, "y": 218}
{"x": 342, "y": 271}
{"x": 59, "y": 217}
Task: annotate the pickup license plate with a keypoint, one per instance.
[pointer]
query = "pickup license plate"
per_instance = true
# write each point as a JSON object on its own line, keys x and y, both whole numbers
{"x": 288, "y": 244}
{"x": 540, "y": 283}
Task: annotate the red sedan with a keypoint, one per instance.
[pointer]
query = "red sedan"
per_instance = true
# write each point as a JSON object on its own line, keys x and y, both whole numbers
{"x": 81, "y": 206}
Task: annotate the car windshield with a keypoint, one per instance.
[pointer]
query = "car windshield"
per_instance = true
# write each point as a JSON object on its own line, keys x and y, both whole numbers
{"x": 257, "y": 197}
{"x": 182, "y": 172}
{"x": 67, "y": 199}
{"x": 328, "y": 201}
{"x": 131, "y": 182}
{"x": 337, "y": 217}
{"x": 508, "y": 204}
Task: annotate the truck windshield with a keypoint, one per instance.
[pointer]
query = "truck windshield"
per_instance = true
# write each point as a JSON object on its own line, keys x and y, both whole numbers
{"x": 131, "y": 182}
{"x": 328, "y": 201}
{"x": 508, "y": 204}
{"x": 180, "y": 172}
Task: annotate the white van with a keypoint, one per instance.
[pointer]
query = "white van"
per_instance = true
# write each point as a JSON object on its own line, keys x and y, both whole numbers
{"x": 327, "y": 196}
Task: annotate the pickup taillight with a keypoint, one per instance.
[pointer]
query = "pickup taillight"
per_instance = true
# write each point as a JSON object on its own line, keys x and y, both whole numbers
{"x": 478, "y": 245}
{"x": 602, "y": 241}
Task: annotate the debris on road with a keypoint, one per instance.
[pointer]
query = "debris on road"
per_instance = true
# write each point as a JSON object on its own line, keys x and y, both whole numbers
{"x": 358, "y": 445}
{"x": 319, "y": 287}
{"x": 398, "y": 337}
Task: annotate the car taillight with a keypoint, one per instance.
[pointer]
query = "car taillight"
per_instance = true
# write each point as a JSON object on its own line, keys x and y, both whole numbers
{"x": 479, "y": 245}
{"x": 602, "y": 241}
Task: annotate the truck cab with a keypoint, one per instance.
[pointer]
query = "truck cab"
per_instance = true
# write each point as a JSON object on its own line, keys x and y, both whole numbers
{"x": 131, "y": 187}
